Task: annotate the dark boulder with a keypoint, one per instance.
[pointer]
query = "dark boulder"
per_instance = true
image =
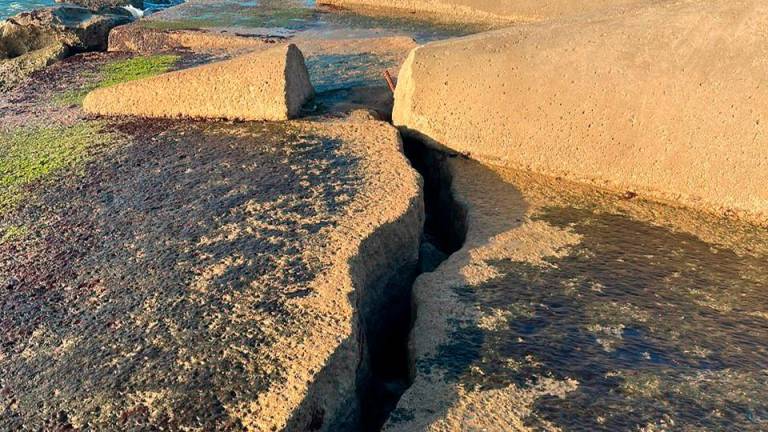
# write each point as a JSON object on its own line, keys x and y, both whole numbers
{"x": 104, "y": 5}
{"x": 32, "y": 40}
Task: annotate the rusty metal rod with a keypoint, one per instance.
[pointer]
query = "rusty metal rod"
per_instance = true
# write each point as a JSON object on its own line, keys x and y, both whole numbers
{"x": 390, "y": 82}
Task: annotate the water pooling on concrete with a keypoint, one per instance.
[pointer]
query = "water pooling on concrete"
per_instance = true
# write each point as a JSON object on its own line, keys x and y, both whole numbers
{"x": 346, "y": 53}
{"x": 657, "y": 327}
{"x": 580, "y": 310}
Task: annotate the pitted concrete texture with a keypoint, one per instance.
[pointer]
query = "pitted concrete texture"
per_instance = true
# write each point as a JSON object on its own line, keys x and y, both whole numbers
{"x": 209, "y": 278}
{"x": 491, "y": 11}
{"x": 665, "y": 101}
{"x": 267, "y": 85}
{"x": 550, "y": 317}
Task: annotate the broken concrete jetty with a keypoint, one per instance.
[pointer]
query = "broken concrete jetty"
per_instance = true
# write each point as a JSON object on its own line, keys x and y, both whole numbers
{"x": 267, "y": 85}
{"x": 648, "y": 102}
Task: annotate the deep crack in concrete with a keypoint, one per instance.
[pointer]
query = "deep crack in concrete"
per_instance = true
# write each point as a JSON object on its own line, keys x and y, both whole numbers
{"x": 387, "y": 311}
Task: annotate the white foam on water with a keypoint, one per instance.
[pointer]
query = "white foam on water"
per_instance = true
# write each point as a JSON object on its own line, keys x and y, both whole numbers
{"x": 136, "y": 12}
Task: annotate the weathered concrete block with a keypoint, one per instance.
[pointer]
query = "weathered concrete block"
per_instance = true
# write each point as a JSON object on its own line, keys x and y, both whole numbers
{"x": 490, "y": 11}
{"x": 266, "y": 85}
{"x": 666, "y": 101}
{"x": 138, "y": 38}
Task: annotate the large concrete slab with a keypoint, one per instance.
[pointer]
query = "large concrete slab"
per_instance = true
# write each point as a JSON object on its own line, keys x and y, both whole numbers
{"x": 205, "y": 276}
{"x": 665, "y": 101}
{"x": 265, "y": 85}
{"x": 569, "y": 308}
{"x": 491, "y": 11}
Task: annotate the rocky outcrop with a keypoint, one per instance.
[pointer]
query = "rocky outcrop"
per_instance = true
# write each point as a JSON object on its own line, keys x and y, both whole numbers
{"x": 489, "y": 11}
{"x": 637, "y": 103}
{"x": 31, "y": 40}
{"x": 265, "y": 85}
{"x": 100, "y": 5}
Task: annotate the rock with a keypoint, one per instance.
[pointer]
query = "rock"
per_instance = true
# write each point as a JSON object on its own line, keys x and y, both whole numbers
{"x": 74, "y": 26}
{"x": 100, "y": 5}
{"x": 32, "y": 40}
{"x": 488, "y": 11}
{"x": 637, "y": 102}
{"x": 430, "y": 257}
{"x": 14, "y": 70}
{"x": 265, "y": 85}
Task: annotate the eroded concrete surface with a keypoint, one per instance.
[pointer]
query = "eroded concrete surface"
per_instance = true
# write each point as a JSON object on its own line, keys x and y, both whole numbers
{"x": 212, "y": 275}
{"x": 200, "y": 276}
{"x": 574, "y": 309}
{"x": 208, "y": 274}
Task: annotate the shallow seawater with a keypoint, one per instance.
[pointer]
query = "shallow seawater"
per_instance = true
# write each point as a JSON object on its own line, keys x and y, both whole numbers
{"x": 9, "y": 8}
{"x": 285, "y": 17}
{"x": 661, "y": 330}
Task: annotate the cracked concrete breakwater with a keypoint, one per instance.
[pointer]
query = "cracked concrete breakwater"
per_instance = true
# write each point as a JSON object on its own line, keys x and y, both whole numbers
{"x": 637, "y": 102}
{"x": 487, "y": 352}
{"x": 212, "y": 278}
{"x": 578, "y": 309}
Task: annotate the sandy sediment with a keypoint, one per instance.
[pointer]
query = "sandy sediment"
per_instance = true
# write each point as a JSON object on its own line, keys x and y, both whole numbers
{"x": 665, "y": 101}
{"x": 215, "y": 285}
{"x": 267, "y": 85}
{"x": 498, "y": 12}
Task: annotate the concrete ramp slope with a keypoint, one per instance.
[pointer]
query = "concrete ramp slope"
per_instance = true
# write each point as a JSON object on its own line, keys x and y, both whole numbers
{"x": 492, "y": 11}
{"x": 669, "y": 102}
{"x": 265, "y": 85}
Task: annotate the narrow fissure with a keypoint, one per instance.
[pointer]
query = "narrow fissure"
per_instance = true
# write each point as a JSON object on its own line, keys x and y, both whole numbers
{"x": 388, "y": 313}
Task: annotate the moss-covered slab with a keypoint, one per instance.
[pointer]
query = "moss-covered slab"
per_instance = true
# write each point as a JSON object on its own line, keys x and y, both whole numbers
{"x": 202, "y": 276}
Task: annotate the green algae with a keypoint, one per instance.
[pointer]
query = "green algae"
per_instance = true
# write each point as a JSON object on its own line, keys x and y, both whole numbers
{"x": 34, "y": 155}
{"x": 119, "y": 72}
{"x": 293, "y": 18}
{"x": 180, "y": 24}
{"x": 13, "y": 233}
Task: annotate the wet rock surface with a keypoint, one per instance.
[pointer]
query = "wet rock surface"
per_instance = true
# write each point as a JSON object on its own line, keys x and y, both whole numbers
{"x": 32, "y": 40}
{"x": 101, "y": 5}
{"x": 580, "y": 310}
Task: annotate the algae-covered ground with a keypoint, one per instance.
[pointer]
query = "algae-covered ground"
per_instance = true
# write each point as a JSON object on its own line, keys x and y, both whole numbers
{"x": 287, "y": 18}
{"x": 575, "y": 309}
{"x": 118, "y": 72}
{"x": 155, "y": 281}
{"x": 36, "y": 154}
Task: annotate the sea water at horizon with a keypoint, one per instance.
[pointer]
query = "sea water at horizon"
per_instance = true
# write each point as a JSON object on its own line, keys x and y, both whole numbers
{"x": 9, "y": 8}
